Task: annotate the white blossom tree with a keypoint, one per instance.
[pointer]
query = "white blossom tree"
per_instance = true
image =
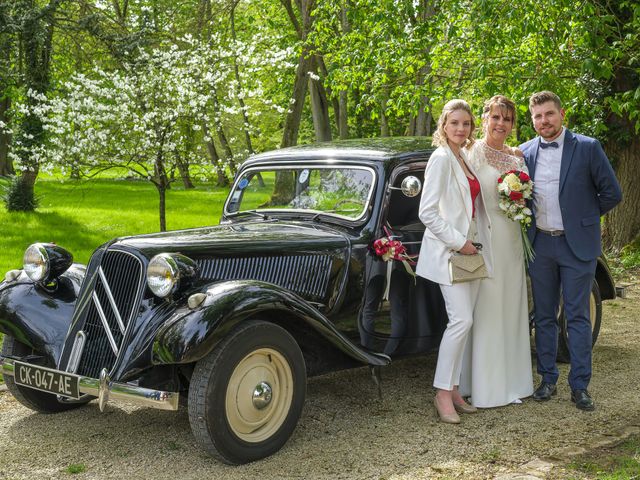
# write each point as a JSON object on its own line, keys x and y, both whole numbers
{"x": 144, "y": 117}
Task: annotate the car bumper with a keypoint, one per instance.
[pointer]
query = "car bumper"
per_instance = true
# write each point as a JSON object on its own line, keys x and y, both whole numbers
{"x": 106, "y": 390}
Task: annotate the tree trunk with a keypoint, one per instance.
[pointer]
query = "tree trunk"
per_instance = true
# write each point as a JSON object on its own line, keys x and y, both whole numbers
{"x": 319, "y": 106}
{"x": 6, "y": 167}
{"x": 384, "y": 123}
{"x": 161, "y": 182}
{"x": 335, "y": 101}
{"x": 423, "y": 118}
{"x": 183, "y": 168}
{"x": 162, "y": 199}
{"x": 29, "y": 179}
{"x": 283, "y": 190}
{"x": 359, "y": 120}
{"x": 37, "y": 38}
{"x": 223, "y": 180}
{"x": 343, "y": 98}
{"x": 245, "y": 115}
{"x": 294, "y": 116}
{"x": 302, "y": 27}
{"x": 622, "y": 224}
{"x": 343, "y": 114}
{"x": 7, "y": 44}
{"x": 422, "y": 125}
{"x": 228, "y": 153}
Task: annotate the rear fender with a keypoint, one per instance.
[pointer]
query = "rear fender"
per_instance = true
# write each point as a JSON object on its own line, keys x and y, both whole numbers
{"x": 39, "y": 317}
{"x": 605, "y": 279}
{"x": 190, "y": 337}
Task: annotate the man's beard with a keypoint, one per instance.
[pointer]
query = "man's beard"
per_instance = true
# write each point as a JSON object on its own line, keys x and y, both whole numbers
{"x": 554, "y": 133}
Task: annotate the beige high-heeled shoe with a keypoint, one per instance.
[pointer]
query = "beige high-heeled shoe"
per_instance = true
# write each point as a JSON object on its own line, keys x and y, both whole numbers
{"x": 445, "y": 417}
{"x": 464, "y": 407}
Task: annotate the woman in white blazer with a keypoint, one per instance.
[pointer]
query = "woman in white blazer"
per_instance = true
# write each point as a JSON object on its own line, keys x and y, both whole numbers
{"x": 452, "y": 209}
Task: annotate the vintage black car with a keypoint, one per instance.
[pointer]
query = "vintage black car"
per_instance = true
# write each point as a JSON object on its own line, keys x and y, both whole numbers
{"x": 232, "y": 319}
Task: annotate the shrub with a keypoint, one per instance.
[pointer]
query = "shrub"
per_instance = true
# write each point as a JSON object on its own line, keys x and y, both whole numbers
{"x": 19, "y": 196}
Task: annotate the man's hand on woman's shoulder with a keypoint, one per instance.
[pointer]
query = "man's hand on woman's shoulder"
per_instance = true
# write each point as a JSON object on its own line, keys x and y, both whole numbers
{"x": 516, "y": 152}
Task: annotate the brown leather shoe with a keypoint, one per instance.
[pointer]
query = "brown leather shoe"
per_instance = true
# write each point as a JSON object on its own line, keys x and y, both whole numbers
{"x": 444, "y": 417}
{"x": 464, "y": 407}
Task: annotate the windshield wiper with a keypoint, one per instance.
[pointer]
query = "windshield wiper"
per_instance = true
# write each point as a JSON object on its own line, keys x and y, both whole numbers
{"x": 263, "y": 216}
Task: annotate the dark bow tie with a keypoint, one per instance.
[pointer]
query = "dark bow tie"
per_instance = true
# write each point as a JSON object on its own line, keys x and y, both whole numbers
{"x": 549, "y": 145}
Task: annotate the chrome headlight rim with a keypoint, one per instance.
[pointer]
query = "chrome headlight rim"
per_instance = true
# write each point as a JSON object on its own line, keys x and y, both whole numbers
{"x": 168, "y": 273}
{"x": 163, "y": 275}
{"x": 53, "y": 261}
{"x": 34, "y": 253}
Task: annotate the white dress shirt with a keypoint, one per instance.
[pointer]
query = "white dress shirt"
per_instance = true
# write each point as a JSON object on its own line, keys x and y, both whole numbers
{"x": 546, "y": 186}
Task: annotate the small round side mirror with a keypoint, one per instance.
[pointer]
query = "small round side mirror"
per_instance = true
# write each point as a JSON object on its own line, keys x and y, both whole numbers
{"x": 411, "y": 186}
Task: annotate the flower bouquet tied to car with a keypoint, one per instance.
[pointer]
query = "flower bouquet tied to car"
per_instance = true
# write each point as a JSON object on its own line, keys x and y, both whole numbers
{"x": 388, "y": 249}
{"x": 514, "y": 188}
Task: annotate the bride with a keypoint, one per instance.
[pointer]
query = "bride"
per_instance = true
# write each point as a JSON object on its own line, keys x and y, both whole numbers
{"x": 498, "y": 358}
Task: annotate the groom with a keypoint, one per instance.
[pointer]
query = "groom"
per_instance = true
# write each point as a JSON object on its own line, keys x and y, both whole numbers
{"x": 574, "y": 185}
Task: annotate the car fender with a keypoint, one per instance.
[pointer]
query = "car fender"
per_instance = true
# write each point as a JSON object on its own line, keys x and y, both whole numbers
{"x": 190, "y": 337}
{"x": 605, "y": 279}
{"x": 37, "y": 316}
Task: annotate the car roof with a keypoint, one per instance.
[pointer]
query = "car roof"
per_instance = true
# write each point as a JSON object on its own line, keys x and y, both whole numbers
{"x": 382, "y": 149}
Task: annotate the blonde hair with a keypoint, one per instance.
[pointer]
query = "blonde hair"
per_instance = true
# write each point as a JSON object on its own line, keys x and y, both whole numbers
{"x": 440, "y": 136}
{"x": 505, "y": 104}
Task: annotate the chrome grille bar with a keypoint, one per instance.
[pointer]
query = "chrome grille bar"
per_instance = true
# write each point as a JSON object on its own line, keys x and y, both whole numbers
{"x": 105, "y": 323}
{"x": 114, "y": 307}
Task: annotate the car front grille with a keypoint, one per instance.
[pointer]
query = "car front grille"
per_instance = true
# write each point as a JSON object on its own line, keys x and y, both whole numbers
{"x": 115, "y": 298}
{"x": 307, "y": 275}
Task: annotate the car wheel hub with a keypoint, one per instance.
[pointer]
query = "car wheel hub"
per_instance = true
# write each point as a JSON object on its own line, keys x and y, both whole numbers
{"x": 259, "y": 395}
{"x": 262, "y": 395}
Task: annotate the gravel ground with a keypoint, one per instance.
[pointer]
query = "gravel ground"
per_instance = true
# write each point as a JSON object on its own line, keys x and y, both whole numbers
{"x": 346, "y": 432}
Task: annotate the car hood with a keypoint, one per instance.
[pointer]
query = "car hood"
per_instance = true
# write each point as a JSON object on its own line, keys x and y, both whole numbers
{"x": 239, "y": 239}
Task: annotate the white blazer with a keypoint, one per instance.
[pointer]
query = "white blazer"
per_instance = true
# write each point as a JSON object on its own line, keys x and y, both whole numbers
{"x": 446, "y": 210}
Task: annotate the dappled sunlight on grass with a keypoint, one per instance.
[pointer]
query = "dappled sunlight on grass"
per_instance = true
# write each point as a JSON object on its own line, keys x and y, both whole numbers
{"x": 80, "y": 215}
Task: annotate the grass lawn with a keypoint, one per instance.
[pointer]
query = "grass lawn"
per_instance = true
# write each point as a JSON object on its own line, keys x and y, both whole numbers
{"x": 619, "y": 462}
{"x": 80, "y": 215}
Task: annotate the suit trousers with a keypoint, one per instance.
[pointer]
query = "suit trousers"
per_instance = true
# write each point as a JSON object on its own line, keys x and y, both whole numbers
{"x": 556, "y": 269}
{"x": 460, "y": 300}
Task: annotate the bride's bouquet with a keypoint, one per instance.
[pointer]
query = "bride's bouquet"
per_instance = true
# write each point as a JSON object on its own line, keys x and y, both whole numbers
{"x": 514, "y": 188}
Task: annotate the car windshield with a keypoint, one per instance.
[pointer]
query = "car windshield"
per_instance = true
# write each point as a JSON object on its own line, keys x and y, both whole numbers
{"x": 337, "y": 191}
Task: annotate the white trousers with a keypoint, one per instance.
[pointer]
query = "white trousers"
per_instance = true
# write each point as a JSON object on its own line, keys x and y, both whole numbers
{"x": 460, "y": 300}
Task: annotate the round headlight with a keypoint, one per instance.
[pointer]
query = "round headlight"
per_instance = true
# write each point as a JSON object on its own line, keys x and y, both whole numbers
{"x": 36, "y": 262}
{"x": 43, "y": 262}
{"x": 169, "y": 272}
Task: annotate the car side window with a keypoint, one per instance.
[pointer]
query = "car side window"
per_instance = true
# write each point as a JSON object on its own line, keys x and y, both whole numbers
{"x": 402, "y": 211}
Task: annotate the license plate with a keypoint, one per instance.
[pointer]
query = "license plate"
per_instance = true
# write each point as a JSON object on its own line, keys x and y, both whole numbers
{"x": 46, "y": 380}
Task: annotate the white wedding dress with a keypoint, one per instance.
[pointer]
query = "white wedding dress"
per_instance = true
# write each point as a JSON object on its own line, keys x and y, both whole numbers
{"x": 497, "y": 365}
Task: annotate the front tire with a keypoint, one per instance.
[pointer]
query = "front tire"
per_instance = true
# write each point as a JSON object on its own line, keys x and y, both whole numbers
{"x": 246, "y": 396}
{"x": 33, "y": 399}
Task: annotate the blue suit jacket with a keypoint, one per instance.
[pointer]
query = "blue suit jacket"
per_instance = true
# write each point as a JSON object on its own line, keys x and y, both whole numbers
{"x": 588, "y": 189}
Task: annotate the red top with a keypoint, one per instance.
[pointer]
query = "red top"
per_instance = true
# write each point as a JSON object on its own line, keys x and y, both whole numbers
{"x": 474, "y": 185}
